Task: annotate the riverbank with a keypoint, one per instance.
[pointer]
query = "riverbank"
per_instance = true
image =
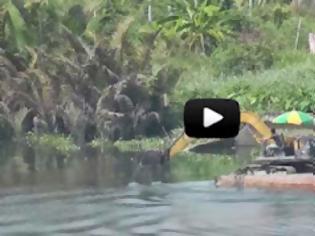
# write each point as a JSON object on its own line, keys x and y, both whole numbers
{"x": 117, "y": 162}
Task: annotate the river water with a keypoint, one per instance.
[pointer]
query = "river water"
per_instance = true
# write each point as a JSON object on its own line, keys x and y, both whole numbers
{"x": 187, "y": 208}
{"x": 93, "y": 197}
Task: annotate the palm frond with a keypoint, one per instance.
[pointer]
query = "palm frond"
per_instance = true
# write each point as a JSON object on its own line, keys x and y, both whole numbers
{"x": 119, "y": 35}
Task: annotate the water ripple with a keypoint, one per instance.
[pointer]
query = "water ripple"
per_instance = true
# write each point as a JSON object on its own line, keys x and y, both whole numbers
{"x": 191, "y": 208}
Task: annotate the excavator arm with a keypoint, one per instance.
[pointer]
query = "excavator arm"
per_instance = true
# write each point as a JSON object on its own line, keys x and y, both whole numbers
{"x": 261, "y": 130}
{"x": 179, "y": 145}
{"x": 262, "y": 133}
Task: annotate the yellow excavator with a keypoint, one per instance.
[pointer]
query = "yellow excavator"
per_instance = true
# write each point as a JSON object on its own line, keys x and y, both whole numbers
{"x": 262, "y": 134}
{"x": 270, "y": 160}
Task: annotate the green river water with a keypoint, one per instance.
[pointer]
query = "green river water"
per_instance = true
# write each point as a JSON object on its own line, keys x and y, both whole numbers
{"x": 88, "y": 199}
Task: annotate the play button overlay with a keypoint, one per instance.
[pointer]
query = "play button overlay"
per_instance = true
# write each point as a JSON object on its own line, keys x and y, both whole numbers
{"x": 212, "y": 118}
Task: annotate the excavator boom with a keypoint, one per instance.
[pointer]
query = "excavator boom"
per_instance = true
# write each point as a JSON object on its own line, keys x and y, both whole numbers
{"x": 249, "y": 118}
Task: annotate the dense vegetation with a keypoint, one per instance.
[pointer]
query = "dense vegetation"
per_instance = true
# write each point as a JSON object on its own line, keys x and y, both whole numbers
{"x": 120, "y": 69}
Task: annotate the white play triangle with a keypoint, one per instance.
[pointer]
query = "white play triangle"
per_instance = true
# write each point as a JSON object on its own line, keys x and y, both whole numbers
{"x": 210, "y": 117}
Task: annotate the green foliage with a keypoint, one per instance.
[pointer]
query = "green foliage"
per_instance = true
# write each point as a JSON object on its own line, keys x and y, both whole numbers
{"x": 103, "y": 16}
{"x": 237, "y": 58}
{"x": 15, "y": 27}
{"x": 191, "y": 166}
{"x": 100, "y": 143}
{"x": 290, "y": 57}
{"x": 35, "y": 22}
{"x": 49, "y": 143}
{"x": 276, "y": 90}
{"x": 282, "y": 89}
{"x": 276, "y": 13}
{"x": 141, "y": 145}
{"x": 201, "y": 27}
{"x": 134, "y": 145}
{"x": 280, "y": 14}
{"x": 76, "y": 20}
{"x": 205, "y": 27}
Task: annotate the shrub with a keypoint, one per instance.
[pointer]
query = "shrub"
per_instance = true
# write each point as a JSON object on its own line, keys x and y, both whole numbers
{"x": 237, "y": 58}
{"x": 50, "y": 143}
{"x": 283, "y": 89}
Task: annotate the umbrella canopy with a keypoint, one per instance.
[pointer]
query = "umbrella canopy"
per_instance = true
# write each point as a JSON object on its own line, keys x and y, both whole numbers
{"x": 294, "y": 118}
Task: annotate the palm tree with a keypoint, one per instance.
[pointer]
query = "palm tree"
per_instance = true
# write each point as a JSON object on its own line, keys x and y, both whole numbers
{"x": 201, "y": 27}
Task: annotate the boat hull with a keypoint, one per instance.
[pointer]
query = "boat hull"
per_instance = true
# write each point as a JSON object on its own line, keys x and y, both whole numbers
{"x": 270, "y": 181}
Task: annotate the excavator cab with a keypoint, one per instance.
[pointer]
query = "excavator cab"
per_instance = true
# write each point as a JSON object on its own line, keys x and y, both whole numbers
{"x": 273, "y": 150}
{"x": 289, "y": 149}
{"x": 278, "y": 147}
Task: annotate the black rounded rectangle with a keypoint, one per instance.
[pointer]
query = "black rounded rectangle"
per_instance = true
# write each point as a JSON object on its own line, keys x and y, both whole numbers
{"x": 212, "y": 118}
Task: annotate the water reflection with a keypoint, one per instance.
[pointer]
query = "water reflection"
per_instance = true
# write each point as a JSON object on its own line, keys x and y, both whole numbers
{"x": 24, "y": 165}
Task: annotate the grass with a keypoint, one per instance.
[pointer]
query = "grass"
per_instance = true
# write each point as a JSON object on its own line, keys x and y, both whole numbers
{"x": 51, "y": 143}
{"x": 139, "y": 144}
